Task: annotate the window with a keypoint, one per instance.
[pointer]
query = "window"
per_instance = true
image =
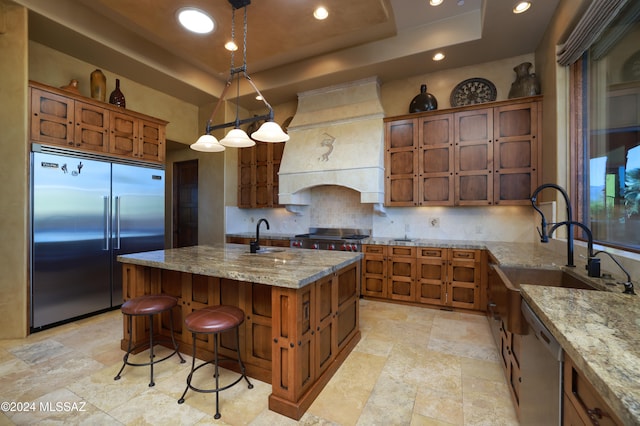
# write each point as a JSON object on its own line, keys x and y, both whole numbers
{"x": 610, "y": 128}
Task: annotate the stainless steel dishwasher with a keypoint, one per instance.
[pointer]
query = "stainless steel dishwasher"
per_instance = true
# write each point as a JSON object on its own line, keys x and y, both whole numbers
{"x": 541, "y": 372}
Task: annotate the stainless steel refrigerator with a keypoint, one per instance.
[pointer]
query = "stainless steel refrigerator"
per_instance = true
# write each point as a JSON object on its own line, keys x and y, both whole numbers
{"x": 86, "y": 211}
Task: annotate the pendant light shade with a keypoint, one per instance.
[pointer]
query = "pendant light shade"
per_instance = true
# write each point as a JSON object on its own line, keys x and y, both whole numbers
{"x": 207, "y": 143}
{"x": 237, "y": 138}
{"x": 270, "y": 131}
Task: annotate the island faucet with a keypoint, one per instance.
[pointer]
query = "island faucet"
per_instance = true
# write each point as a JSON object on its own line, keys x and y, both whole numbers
{"x": 254, "y": 246}
{"x": 543, "y": 225}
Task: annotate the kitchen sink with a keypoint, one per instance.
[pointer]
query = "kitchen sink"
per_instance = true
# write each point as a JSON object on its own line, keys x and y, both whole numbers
{"x": 505, "y": 301}
{"x": 403, "y": 240}
{"x": 266, "y": 250}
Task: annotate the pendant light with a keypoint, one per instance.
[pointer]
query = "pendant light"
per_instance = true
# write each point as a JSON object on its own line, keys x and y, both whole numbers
{"x": 270, "y": 131}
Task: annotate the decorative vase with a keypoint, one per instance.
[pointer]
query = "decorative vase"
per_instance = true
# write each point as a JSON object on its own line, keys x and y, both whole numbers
{"x": 526, "y": 84}
{"x": 72, "y": 87}
{"x": 98, "y": 85}
{"x": 423, "y": 102}
{"x": 117, "y": 98}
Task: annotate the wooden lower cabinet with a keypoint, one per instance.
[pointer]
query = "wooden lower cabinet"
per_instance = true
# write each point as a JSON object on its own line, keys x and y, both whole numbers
{"x": 510, "y": 355}
{"x": 582, "y": 404}
{"x": 425, "y": 275}
{"x": 294, "y": 339}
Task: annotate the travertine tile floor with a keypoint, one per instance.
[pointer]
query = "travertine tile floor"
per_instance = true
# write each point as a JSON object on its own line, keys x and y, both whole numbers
{"x": 413, "y": 366}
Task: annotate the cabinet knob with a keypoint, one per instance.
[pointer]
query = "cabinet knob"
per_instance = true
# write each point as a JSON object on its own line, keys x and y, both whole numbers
{"x": 275, "y": 340}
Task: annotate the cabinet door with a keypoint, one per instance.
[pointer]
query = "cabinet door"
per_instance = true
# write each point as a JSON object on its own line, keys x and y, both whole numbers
{"x": 401, "y": 163}
{"x": 258, "y": 325}
{"x": 374, "y": 271}
{"x": 431, "y": 276}
{"x": 436, "y": 183}
{"x": 464, "y": 279}
{"x": 401, "y": 267}
{"x": 276, "y": 159}
{"x": 91, "y": 131}
{"x": 124, "y": 135}
{"x": 325, "y": 330}
{"x": 474, "y": 157}
{"x": 151, "y": 140}
{"x": 246, "y": 172}
{"x": 263, "y": 174}
{"x": 52, "y": 118}
{"x": 515, "y": 132}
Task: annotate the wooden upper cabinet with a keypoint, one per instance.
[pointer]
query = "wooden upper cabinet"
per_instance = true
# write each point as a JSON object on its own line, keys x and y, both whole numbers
{"x": 476, "y": 155}
{"x": 516, "y": 130}
{"x": 473, "y": 157}
{"x": 258, "y": 168}
{"x": 436, "y": 184}
{"x": 70, "y": 120}
{"x": 401, "y": 163}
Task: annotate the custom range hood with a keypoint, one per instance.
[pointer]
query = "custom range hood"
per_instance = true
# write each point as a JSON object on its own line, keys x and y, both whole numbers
{"x": 336, "y": 138}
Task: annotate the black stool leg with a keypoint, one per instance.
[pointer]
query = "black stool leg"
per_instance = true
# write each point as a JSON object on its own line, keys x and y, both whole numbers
{"x": 175, "y": 345}
{"x": 151, "y": 383}
{"x": 126, "y": 355}
{"x": 217, "y": 376}
{"x": 242, "y": 369}
{"x": 193, "y": 368}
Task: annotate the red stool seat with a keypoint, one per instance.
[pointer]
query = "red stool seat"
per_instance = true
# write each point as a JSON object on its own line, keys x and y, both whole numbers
{"x": 148, "y": 305}
{"x": 214, "y": 319}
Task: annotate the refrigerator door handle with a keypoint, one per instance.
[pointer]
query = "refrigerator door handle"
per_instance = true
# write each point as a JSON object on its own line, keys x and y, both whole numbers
{"x": 107, "y": 223}
{"x": 117, "y": 247}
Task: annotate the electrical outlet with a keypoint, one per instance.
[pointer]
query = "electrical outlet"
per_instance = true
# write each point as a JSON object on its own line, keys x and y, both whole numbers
{"x": 434, "y": 222}
{"x": 407, "y": 228}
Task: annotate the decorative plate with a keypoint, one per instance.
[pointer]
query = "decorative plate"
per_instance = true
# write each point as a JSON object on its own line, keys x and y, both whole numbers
{"x": 473, "y": 91}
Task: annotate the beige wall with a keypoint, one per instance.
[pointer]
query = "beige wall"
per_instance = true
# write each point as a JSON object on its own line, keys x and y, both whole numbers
{"x": 14, "y": 171}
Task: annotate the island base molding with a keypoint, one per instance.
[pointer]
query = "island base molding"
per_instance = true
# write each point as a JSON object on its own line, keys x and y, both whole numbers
{"x": 295, "y": 339}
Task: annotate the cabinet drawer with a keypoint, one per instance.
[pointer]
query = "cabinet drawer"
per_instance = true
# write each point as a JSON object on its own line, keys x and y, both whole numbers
{"x": 402, "y": 251}
{"x": 462, "y": 254}
{"x": 431, "y": 252}
{"x": 373, "y": 249}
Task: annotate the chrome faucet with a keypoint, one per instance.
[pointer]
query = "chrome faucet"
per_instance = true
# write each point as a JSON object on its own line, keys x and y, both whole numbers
{"x": 544, "y": 237}
{"x": 254, "y": 246}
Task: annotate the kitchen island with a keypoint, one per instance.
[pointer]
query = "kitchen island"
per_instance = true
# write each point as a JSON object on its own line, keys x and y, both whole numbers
{"x": 301, "y": 310}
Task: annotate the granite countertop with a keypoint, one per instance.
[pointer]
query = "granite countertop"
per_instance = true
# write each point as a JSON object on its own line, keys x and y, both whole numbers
{"x": 281, "y": 267}
{"x": 600, "y": 332}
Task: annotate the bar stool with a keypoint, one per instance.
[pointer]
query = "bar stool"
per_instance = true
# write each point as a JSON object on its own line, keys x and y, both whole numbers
{"x": 148, "y": 305}
{"x": 214, "y": 320}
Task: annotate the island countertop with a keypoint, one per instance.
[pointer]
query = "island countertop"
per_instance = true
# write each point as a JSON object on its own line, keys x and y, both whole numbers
{"x": 600, "y": 332}
{"x": 281, "y": 267}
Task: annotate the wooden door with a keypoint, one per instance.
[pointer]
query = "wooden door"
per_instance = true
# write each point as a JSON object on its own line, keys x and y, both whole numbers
{"x": 258, "y": 315}
{"x": 515, "y": 131}
{"x": 401, "y": 162}
{"x": 52, "y": 118}
{"x": 436, "y": 164}
{"x": 92, "y": 127}
{"x": 401, "y": 267}
{"x": 374, "y": 271}
{"x": 348, "y": 308}
{"x": 431, "y": 279}
{"x": 326, "y": 302}
{"x": 185, "y": 203}
{"x": 474, "y": 157}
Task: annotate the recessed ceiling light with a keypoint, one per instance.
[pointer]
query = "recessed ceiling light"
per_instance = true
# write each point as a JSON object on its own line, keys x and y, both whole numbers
{"x": 320, "y": 13}
{"x": 231, "y": 46}
{"x": 438, "y": 56}
{"x": 521, "y": 6}
{"x": 195, "y": 20}
{"x": 435, "y": 2}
